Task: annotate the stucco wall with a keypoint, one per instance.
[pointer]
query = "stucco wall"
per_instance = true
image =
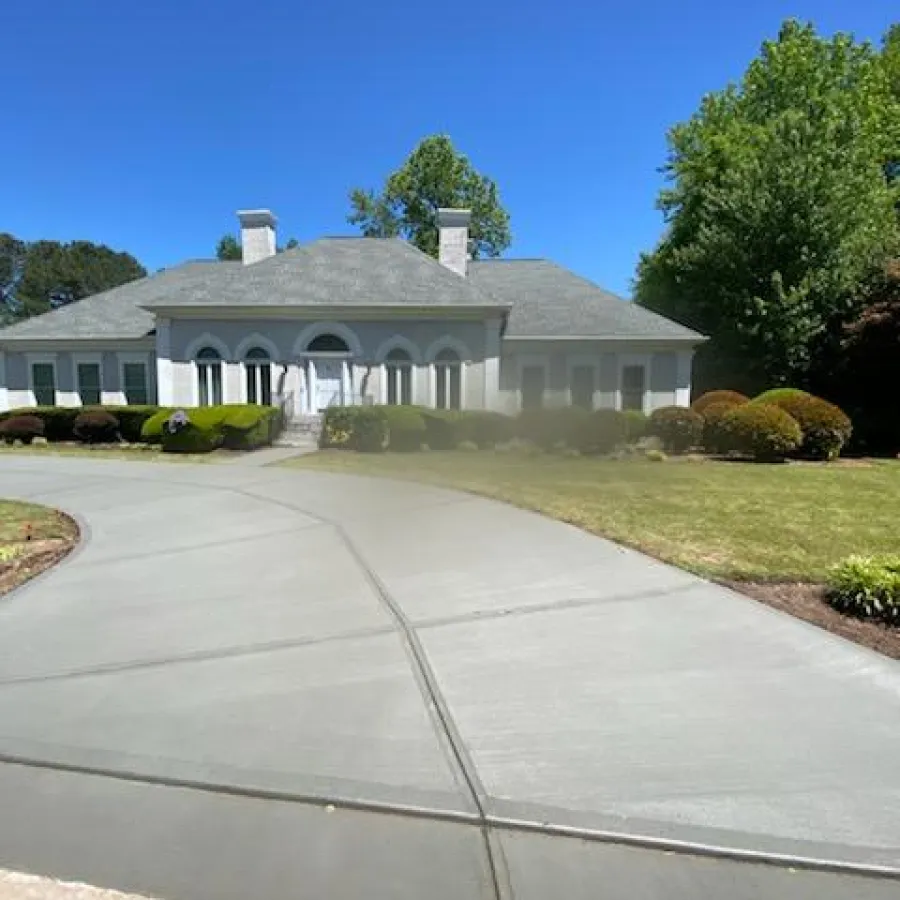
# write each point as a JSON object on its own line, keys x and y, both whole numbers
{"x": 287, "y": 340}
{"x": 16, "y": 383}
{"x": 667, "y": 371}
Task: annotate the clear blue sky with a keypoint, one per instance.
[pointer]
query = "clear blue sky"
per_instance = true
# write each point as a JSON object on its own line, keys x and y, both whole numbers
{"x": 144, "y": 126}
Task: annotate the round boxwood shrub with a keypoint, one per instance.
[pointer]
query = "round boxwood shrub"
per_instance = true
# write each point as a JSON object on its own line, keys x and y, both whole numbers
{"x": 776, "y": 395}
{"x": 636, "y": 425}
{"x": 443, "y": 428}
{"x": 485, "y": 428}
{"x": 678, "y": 427}
{"x": 338, "y": 426}
{"x": 602, "y": 431}
{"x": 762, "y": 431}
{"x": 370, "y": 433}
{"x": 96, "y": 426}
{"x": 867, "y": 587}
{"x": 826, "y": 428}
{"x": 716, "y": 434}
{"x": 704, "y": 401}
{"x": 405, "y": 428}
{"x": 24, "y": 428}
{"x": 552, "y": 427}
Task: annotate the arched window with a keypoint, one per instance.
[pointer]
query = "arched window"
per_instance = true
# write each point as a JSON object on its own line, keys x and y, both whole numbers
{"x": 258, "y": 372}
{"x": 328, "y": 343}
{"x": 209, "y": 376}
{"x": 398, "y": 373}
{"x": 448, "y": 380}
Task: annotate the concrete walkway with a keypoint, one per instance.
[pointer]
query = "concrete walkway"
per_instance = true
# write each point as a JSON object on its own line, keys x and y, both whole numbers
{"x": 270, "y": 683}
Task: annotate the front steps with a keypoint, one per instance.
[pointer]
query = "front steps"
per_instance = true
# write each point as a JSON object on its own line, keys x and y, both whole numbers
{"x": 302, "y": 432}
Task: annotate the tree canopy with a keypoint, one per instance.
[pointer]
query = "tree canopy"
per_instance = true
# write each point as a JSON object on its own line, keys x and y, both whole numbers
{"x": 434, "y": 175}
{"x": 780, "y": 205}
{"x": 229, "y": 248}
{"x": 41, "y": 275}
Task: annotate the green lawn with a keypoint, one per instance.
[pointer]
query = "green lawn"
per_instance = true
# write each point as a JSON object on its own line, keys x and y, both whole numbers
{"x": 139, "y": 452}
{"x": 15, "y": 519}
{"x": 722, "y": 519}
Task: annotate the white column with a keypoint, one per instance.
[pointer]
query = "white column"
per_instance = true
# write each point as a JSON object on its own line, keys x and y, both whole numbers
{"x": 311, "y": 386}
{"x": 4, "y": 388}
{"x": 683, "y": 378}
{"x": 165, "y": 389}
{"x": 346, "y": 396}
{"x": 491, "y": 367}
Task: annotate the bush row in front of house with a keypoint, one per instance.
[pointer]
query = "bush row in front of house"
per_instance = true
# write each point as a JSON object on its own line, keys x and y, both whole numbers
{"x": 59, "y": 421}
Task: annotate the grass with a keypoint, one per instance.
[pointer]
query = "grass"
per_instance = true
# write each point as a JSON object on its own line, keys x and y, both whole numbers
{"x": 139, "y": 452}
{"x": 45, "y": 523}
{"x": 719, "y": 519}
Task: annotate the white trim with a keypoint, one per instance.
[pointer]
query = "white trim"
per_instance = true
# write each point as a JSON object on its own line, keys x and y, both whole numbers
{"x": 447, "y": 342}
{"x": 4, "y": 387}
{"x": 90, "y": 359}
{"x": 398, "y": 342}
{"x": 527, "y": 360}
{"x": 459, "y": 349}
{"x": 634, "y": 359}
{"x": 317, "y": 329}
{"x": 165, "y": 380}
{"x": 630, "y": 338}
{"x": 684, "y": 364}
{"x": 42, "y": 358}
{"x": 257, "y": 340}
{"x": 207, "y": 340}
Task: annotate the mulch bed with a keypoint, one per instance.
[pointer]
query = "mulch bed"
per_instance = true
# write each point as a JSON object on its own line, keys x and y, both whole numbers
{"x": 34, "y": 558}
{"x": 807, "y": 601}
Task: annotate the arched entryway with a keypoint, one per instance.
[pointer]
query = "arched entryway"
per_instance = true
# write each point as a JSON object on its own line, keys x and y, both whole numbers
{"x": 328, "y": 371}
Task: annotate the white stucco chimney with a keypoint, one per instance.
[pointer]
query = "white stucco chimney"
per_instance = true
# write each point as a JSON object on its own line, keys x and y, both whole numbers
{"x": 453, "y": 243}
{"x": 257, "y": 234}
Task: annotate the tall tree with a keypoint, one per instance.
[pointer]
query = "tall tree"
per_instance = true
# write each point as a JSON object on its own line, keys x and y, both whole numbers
{"x": 778, "y": 207}
{"x": 42, "y": 275}
{"x": 434, "y": 175}
{"x": 228, "y": 249}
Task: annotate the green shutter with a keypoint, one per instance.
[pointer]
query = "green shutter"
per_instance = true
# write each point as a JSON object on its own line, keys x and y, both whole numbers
{"x": 43, "y": 380}
{"x": 89, "y": 383}
{"x": 135, "y": 377}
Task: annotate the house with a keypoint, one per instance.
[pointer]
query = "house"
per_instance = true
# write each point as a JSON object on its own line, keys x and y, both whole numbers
{"x": 349, "y": 321}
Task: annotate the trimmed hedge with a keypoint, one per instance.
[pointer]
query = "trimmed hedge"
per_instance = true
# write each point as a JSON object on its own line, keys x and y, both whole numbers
{"x": 678, "y": 427}
{"x": 338, "y": 426}
{"x": 776, "y": 395}
{"x": 405, "y": 428}
{"x": 23, "y": 428}
{"x": 602, "y": 431}
{"x": 704, "y": 401}
{"x": 131, "y": 419}
{"x": 370, "y": 430}
{"x": 867, "y": 587}
{"x": 59, "y": 421}
{"x": 637, "y": 424}
{"x": 553, "y": 426}
{"x": 484, "y": 428}
{"x": 235, "y": 426}
{"x": 443, "y": 428}
{"x": 96, "y": 426}
{"x": 762, "y": 431}
{"x": 826, "y": 428}
{"x": 717, "y": 436}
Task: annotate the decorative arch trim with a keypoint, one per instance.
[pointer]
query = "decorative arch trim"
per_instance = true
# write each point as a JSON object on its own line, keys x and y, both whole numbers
{"x": 207, "y": 340}
{"x": 316, "y": 329}
{"x": 448, "y": 342}
{"x": 257, "y": 340}
{"x": 398, "y": 342}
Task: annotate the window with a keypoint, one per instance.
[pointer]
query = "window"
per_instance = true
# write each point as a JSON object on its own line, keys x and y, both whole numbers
{"x": 89, "y": 383}
{"x": 633, "y": 380}
{"x": 398, "y": 372}
{"x": 209, "y": 377}
{"x": 532, "y": 387}
{"x": 43, "y": 383}
{"x": 448, "y": 380}
{"x": 582, "y": 386}
{"x": 258, "y": 369}
{"x": 134, "y": 377}
{"x": 328, "y": 343}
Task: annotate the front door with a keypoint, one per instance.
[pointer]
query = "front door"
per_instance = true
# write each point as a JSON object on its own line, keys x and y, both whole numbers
{"x": 329, "y": 383}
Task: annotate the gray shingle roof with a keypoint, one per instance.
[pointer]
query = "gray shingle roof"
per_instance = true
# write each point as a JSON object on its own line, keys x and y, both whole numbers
{"x": 115, "y": 314}
{"x": 335, "y": 272}
{"x": 550, "y": 301}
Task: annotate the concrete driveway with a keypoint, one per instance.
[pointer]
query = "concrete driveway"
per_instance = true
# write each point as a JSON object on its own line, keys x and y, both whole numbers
{"x": 268, "y": 683}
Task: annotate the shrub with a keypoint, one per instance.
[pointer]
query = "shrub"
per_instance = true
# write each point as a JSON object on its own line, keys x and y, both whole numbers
{"x": 655, "y": 456}
{"x": 826, "y": 428}
{"x": 405, "y": 428}
{"x": 152, "y": 428}
{"x": 59, "y": 421}
{"x": 637, "y": 425}
{"x": 704, "y": 401}
{"x": 338, "y": 426}
{"x": 776, "y": 395}
{"x": 762, "y": 431}
{"x": 24, "y": 428}
{"x": 132, "y": 419}
{"x": 717, "y": 436}
{"x": 678, "y": 427}
{"x": 96, "y": 426}
{"x": 552, "y": 427}
{"x": 867, "y": 587}
{"x": 443, "y": 428}
{"x": 194, "y": 431}
{"x": 246, "y": 427}
{"x": 485, "y": 428}
{"x": 370, "y": 432}
{"x": 602, "y": 431}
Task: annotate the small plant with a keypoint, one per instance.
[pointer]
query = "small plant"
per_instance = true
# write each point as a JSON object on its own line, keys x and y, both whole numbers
{"x": 655, "y": 456}
{"x": 704, "y": 401}
{"x": 469, "y": 446}
{"x": 678, "y": 427}
{"x": 338, "y": 426}
{"x": 761, "y": 431}
{"x": 867, "y": 587}
{"x": 24, "y": 428}
{"x": 96, "y": 426}
{"x": 717, "y": 436}
{"x": 8, "y": 552}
